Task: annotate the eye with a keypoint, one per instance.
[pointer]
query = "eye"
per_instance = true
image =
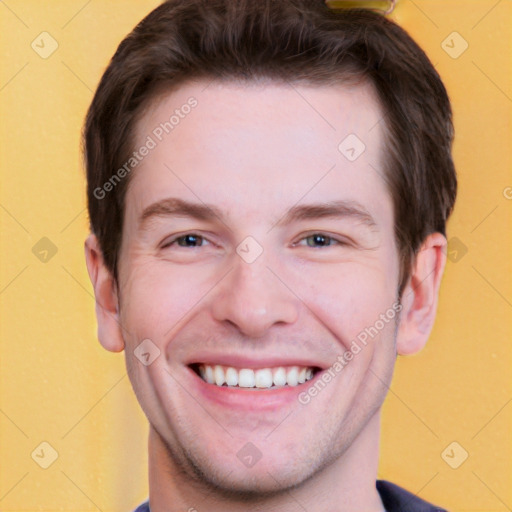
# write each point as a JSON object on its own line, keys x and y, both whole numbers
{"x": 321, "y": 240}
{"x": 193, "y": 240}
{"x": 188, "y": 240}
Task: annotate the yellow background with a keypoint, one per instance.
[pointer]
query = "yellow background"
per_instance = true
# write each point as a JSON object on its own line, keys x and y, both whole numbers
{"x": 59, "y": 386}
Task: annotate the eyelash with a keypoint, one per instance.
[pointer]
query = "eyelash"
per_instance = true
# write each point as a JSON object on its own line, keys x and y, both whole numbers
{"x": 202, "y": 238}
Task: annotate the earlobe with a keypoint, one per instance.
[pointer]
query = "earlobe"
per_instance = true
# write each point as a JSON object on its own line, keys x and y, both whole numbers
{"x": 420, "y": 296}
{"x": 105, "y": 292}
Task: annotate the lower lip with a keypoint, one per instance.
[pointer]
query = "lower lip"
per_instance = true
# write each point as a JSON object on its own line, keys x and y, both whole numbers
{"x": 250, "y": 399}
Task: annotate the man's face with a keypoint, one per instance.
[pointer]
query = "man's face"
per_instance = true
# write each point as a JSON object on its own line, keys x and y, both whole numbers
{"x": 262, "y": 284}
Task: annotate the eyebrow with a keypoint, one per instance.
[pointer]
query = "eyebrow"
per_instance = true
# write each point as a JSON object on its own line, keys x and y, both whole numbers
{"x": 170, "y": 207}
{"x": 332, "y": 209}
{"x": 178, "y": 207}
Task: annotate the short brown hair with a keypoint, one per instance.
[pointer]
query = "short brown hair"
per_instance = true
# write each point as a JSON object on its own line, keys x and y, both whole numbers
{"x": 281, "y": 40}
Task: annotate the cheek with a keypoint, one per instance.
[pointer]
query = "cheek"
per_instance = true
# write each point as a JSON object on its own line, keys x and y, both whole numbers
{"x": 158, "y": 297}
{"x": 351, "y": 297}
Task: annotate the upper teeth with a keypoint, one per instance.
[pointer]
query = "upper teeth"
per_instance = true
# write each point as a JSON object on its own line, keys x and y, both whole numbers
{"x": 261, "y": 378}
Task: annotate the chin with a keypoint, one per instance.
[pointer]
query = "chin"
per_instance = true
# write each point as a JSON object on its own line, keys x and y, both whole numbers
{"x": 250, "y": 486}
{"x": 265, "y": 478}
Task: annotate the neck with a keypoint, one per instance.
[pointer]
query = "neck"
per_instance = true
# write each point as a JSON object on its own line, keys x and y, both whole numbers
{"x": 347, "y": 484}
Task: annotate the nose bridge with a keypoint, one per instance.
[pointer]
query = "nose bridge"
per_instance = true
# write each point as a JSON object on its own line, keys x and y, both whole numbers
{"x": 252, "y": 298}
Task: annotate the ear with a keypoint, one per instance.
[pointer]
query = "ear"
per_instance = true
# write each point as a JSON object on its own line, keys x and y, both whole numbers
{"x": 419, "y": 298}
{"x": 105, "y": 292}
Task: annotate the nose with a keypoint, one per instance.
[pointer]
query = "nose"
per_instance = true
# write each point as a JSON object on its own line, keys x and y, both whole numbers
{"x": 253, "y": 298}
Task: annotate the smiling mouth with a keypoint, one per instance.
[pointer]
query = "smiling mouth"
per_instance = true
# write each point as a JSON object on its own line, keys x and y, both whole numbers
{"x": 249, "y": 378}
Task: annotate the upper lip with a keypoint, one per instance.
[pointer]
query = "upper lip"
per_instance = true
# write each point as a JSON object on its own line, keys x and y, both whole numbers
{"x": 239, "y": 361}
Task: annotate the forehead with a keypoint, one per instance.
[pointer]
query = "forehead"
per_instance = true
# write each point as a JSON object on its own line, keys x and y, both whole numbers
{"x": 329, "y": 110}
{"x": 217, "y": 141}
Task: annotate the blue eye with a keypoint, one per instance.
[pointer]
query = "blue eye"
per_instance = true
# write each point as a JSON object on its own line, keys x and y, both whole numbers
{"x": 188, "y": 240}
{"x": 192, "y": 240}
{"x": 320, "y": 240}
